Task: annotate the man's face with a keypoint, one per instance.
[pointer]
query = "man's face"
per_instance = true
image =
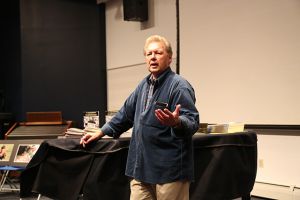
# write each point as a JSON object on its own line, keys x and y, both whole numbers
{"x": 157, "y": 58}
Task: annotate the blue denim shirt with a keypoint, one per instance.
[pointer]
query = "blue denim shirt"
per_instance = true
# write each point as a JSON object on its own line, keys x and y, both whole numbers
{"x": 158, "y": 153}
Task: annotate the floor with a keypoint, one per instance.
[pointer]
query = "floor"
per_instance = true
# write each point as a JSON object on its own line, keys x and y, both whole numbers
{"x": 14, "y": 195}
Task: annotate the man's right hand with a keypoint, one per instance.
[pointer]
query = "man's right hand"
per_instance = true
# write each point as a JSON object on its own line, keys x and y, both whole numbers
{"x": 89, "y": 137}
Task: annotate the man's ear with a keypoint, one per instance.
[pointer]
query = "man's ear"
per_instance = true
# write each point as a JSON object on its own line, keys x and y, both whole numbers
{"x": 170, "y": 60}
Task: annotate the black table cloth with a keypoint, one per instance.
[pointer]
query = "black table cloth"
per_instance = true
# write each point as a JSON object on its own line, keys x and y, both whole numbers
{"x": 225, "y": 168}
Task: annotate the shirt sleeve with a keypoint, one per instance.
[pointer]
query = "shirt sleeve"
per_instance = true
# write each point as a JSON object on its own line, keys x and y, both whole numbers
{"x": 189, "y": 115}
{"x": 123, "y": 120}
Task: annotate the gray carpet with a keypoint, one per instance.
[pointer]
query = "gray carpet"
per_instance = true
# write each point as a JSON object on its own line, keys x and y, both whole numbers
{"x": 14, "y": 195}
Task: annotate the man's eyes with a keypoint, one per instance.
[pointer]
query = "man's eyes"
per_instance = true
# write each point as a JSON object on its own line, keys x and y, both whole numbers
{"x": 155, "y": 53}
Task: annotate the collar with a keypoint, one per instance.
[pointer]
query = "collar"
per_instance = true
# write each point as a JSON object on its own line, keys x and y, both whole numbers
{"x": 160, "y": 79}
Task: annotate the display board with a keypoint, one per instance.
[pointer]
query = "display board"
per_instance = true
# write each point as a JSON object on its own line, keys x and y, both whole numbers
{"x": 17, "y": 152}
{"x": 243, "y": 59}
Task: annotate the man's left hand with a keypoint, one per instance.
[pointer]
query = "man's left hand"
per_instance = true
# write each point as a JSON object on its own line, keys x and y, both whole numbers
{"x": 168, "y": 118}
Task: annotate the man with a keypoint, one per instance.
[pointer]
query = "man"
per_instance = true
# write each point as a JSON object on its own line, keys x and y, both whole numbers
{"x": 164, "y": 118}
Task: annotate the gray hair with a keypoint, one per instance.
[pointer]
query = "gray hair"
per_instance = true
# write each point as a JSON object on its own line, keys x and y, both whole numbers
{"x": 160, "y": 39}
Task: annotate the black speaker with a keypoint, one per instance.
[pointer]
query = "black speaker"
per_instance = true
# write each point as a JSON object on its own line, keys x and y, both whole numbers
{"x": 135, "y": 10}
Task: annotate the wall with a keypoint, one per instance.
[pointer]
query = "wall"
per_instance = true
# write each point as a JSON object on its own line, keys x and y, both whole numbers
{"x": 246, "y": 57}
{"x": 125, "y": 42}
{"x": 278, "y": 175}
{"x": 278, "y": 159}
{"x": 62, "y": 60}
{"x": 10, "y": 68}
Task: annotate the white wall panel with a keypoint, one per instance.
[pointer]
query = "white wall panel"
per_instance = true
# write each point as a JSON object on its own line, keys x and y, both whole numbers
{"x": 122, "y": 81}
{"x": 125, "y": 43}
{"x": 243, "y": 58}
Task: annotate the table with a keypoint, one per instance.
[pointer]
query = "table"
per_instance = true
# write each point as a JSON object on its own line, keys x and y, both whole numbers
{"x": 225, "y": 168}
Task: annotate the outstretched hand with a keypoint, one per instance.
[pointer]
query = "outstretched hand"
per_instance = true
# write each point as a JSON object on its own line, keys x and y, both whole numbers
{"x": 168, "y": 118}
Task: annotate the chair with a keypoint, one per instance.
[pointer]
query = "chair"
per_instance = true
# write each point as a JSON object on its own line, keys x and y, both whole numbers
{"x": 17, "y": 155}
{"x": 5, "y": 179}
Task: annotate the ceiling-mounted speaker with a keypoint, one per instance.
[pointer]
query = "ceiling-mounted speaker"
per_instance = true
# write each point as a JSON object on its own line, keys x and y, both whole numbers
{"x": 135, "y": 10}
{"x": 101, "y": 1}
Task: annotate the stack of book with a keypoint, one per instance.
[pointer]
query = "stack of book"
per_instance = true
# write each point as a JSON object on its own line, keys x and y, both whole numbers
{"x": 91, "y": 130}
{"x": 74, "y": 132}
{"x": 231, "y": 127}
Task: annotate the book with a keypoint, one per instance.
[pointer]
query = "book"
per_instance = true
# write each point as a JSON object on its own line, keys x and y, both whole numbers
{"x": 74, "y": 133}
{"x": 91, "y": 119}
{"x": 231, "y": 127}
{"x": 109, "y": 115}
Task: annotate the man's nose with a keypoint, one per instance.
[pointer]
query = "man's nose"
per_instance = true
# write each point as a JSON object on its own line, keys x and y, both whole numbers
{"x": 153, "y": 55}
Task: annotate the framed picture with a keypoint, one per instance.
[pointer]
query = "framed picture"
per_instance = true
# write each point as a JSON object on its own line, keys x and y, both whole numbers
{"x": 18, "y": 152}
{"x": 25, "y": 152}
{"x": 6, "y": 150}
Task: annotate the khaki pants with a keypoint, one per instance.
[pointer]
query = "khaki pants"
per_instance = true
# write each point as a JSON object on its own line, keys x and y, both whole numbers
{"x": 178, "y": 190}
